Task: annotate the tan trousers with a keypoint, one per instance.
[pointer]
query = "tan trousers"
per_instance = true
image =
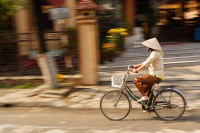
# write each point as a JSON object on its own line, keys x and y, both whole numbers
{"x": 144, "y": 83}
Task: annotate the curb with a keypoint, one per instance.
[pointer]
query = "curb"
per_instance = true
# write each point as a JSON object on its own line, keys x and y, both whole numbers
{"x": 28, "y": 98}
{"x": 81, "y": 97}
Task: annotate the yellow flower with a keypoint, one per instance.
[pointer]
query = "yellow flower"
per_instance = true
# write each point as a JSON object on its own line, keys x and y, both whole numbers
{"x": 121, "y": 30}
{"x": 108, "y": 36}
{"x": 112, "y": 31}
{"x": 124, "y": 33}
{"x": 117, "y": 30}
{"x": 109, "y": 46}
{"x": 59, "y": 77}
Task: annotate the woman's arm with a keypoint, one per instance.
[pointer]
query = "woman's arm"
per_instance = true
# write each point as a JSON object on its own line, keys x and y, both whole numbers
{"x": 136, "y": 66}
{"x": 136, "y": 70}
{"x": 153, "y": 56}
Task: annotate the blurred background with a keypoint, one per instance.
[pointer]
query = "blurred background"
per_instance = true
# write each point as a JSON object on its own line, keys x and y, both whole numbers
{"x": 90, "y": 40}
{"x": 171, "y": 21}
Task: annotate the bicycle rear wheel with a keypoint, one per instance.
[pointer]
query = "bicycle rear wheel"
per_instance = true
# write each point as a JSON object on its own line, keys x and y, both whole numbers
{"x": 115, "y": 105}
{"x": 169, "y": 104}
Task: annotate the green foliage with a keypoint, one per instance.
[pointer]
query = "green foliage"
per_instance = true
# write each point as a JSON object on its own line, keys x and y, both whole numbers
{"x": 123, "y": 23}
{"x": 109, "y": 20}
{"x": 117, "y": 39}
{"x": 72, "y": 40}
{"x": 24, "y": 85}
{"x": 20, "y": 84}
{"x": 117, "y": 36}
{"x": 5, "y": 86}
{"x": 9, "y": 7}
{"x": 109, "y": 48}
{"x": 113, "y": 44}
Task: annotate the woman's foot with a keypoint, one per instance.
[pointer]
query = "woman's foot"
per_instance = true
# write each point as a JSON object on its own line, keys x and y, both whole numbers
{"x": 144, "y": 98}
{"x": 149, "y": 110}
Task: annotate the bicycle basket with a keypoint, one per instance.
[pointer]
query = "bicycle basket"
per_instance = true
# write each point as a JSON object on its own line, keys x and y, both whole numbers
{"x": 117, "y": 80}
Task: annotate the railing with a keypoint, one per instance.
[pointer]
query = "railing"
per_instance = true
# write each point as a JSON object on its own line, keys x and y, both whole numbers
{"x": 61, "y": 45}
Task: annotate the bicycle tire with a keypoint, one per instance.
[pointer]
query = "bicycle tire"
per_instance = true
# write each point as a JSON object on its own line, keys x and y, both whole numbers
{"x": 107, "y": 105}
{"x": 166, "y": 109}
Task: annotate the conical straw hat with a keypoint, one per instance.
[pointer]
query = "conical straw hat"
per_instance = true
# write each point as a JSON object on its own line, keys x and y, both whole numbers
{"x": 154, "y": 44}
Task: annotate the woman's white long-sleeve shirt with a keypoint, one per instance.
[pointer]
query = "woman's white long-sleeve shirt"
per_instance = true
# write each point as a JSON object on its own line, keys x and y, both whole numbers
{"x": 155, "y": 63}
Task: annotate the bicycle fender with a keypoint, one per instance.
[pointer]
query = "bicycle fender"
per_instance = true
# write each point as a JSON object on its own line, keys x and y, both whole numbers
{"x": 172, "y": 88}
{"x": 163, "y": 88}
{"x": 169, "y": 87}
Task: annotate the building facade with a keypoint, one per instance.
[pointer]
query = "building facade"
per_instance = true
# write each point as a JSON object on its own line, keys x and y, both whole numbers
{"x": 24, "y": 20}
{"x": 153, "y": 16}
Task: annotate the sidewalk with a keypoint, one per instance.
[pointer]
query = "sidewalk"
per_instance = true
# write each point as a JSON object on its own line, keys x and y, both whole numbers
{"x": 187, "y": 80}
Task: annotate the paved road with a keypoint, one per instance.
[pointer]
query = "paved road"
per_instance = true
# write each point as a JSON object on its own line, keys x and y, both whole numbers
{"x": 62, "y": 120}
{"x": 185, "y": 54}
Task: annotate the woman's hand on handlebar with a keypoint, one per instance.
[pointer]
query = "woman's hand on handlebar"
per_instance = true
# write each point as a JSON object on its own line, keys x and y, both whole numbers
{"x": 137, "y": 66}
{"x": 130, "y": 67}
{"x": 134, "y": 70}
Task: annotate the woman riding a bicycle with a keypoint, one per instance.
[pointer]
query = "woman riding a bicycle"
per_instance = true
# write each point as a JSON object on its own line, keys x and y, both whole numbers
{"x": 156, "y": 69}
{"x": 168, "y": 102}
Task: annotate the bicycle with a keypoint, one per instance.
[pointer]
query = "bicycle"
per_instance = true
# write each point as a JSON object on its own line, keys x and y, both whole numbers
{"x": 167, "y": 102}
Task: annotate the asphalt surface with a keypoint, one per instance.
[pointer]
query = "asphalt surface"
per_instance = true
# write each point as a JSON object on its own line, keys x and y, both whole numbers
{"x": 63, "y": 120}
{"x": 80, "y": 118}
{"x": 181, "y": 55}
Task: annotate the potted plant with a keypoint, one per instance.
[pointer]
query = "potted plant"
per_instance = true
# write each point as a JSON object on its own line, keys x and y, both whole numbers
{"x": 117, "y": 36}
{"x": 109, "y": 50}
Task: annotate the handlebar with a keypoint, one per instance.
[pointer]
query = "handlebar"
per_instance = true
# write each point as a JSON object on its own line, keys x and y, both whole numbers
{"x": 130, "y": 68}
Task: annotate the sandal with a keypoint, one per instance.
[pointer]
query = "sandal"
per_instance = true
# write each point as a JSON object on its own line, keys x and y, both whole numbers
{"x": 143, "y": 99}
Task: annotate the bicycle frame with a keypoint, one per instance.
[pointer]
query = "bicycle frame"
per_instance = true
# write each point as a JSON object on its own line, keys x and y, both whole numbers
{"x": 166, "y": 102}
{"x": 135, "y": 97}
{"x": 130, "y": 93}
{"x": 160, "y": 100}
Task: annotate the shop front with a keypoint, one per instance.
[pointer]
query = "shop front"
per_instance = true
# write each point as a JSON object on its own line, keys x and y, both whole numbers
{"x": 178, "y": 20}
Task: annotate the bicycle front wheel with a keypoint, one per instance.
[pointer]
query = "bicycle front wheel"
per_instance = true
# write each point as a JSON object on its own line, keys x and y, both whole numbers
{"x": 169, "y": 105}
{"x": 115, "y": 105}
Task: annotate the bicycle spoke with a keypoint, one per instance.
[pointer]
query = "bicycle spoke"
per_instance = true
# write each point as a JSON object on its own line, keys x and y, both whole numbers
{"x": 115, "y": 105}
{"x": 169, "y": 105}
{"x": 170, "y": 97}
{"x": 163, "y": 98}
